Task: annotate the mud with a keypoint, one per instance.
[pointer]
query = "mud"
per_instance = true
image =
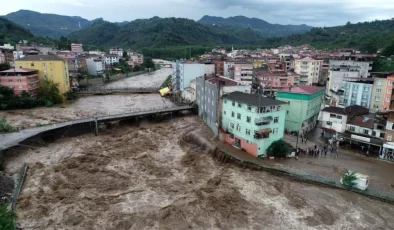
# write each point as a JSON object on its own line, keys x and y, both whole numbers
{"x": 157, "y": 176}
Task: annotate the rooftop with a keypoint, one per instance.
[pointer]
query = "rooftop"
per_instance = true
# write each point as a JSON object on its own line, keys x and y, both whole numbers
{"x": 252, "y": 99}
{"x": 18, "y": 70}
{"x": 350, "y": 110}
{"x": 303, "y": 89}
{"x": 226, "y": 81}
{"x": 362, "y": 121}
{"x": 41, "y": 58}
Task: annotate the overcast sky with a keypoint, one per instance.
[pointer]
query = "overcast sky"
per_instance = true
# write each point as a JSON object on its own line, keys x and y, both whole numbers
{"x": 310, "y": 12}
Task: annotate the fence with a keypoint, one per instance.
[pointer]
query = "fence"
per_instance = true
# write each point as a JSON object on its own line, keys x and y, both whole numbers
{"x": 18, "y": 186}
{"x": 223, "y": 156}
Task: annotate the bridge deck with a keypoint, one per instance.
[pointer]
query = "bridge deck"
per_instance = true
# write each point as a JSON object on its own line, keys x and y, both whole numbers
{"x": 9, "y": 140}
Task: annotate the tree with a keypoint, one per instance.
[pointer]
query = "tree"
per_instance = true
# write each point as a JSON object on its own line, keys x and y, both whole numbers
{"x": 6, "y": 218}
{"x": 148, "y": 63}
{"x": 5, "y": 126}
{"x": 278, "y": 149}
{"x": 349, "y": 179}
{"x": 6, "y": 95}
{"x": 125, "y": 55}
{"x": 48, "y": 93}
{"x": 4, "y": 66}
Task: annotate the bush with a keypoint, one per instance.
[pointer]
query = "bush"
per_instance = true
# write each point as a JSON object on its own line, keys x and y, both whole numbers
{"x": 5, "y": 126}
{"x": 49, "y": 91}
{"x": 278, "y": 149}
{"x": 349, "y": 179}
{"x": 70, "y": 95}
{"x": 6, "y": 218}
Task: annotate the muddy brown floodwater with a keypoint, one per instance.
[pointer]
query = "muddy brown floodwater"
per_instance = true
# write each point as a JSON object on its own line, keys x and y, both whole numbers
{"x": 146, "y": 177}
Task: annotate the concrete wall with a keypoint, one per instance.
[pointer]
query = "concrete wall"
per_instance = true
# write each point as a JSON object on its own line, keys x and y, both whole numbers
{"x": 207, "y": 99}
{"x": 209, "y": 69}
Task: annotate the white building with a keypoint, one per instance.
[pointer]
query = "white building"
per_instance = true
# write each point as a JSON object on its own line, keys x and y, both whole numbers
{"x": 116, "y": 50}
{"x": 7, "y": 47}
{"x": 2, "y": 58}
{"x": 76, "y": 48}
{"x": 190, "y": 92}
{"x": 209, "y": 69}
{"x": 227, "y": 66}
{"x": 95, "y": 66}
{"x": 110, "y": 59}
{"x": 18, "y": 55}
{"x": 309, "y": 69}
{"x": 363, "y": 66}
{"x": 243, "y": 72}
{"x": 96, "y": 52}
{"x": 184, "y": 74}
{"x": 137, "y": 58}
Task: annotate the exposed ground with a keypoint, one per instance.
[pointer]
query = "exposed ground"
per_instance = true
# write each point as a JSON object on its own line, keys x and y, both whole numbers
{"x": 146, "y": 178}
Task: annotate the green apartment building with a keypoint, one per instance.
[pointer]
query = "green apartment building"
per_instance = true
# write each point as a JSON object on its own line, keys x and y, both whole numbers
{"x": 251, "y": 122}
{"x": 304, "y": 104}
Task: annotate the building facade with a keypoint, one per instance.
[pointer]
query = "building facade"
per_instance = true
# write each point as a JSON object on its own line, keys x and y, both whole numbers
{"x": 138, "y": 59}
{"x": 111, "y": 59}
{"x": 95, "y": 66}
{"x": 251, "y": 122}
{"x": 243, "y": 72}
{"x": 357, "y": 93}
{"x": 20, "y": 80}
{"x": 275, "y": 79}
{"x": 208, "y": 93}
{"x": 309, "y": 70}
{"x": 184, "y": 74}
{"x": 116, "y": 50}
{"x": 304, "y": 104}
{"x": 49, "y": 67}
{"x": 381, "y": 92}
{"x": 76, "y": 48}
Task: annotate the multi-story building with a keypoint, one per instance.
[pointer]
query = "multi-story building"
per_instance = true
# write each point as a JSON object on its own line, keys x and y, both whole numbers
{"x": 227, "y": 66}
{"x": 2, "y": 57}
{"x": 251, "y": 122}
{"x": 219, "y": 67}
{"x": 110, "y": 59}
{"x": 286, "y": 59}
{"x": 20, "y": 80}
{"x": 96, "y": 52}
{"x": 116, "y": 50}
{"x": 324, "y": 72}
{"x": 357, "y": 93}
{"x": 49, "y": 67}
{"x": 334, "y": 119}
{"x": 18, "y": 54}
{"x": 95, "y": 66}
{"x": 208, "y": 93}
{"x": 76, "y": 48}
{"x": 275, "y": 79}
{"x": 381, "y": 91}
{"x": 243, "y": 72}
{"x": 138, "y": 59}
{"x": 183, "y": 74}
{"x": 304, "y": 103}
{"x": 309, "y": 69}
{"x": 258, "y": 63}
{"x": 209, "y": 69}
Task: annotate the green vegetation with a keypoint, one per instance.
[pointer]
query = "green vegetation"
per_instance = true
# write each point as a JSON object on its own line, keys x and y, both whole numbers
{"x": 5, "y": 127}
{"x": 70, "y": 95}
{"x": 5, "y": 66}
{"x": 166, "y": 83}
{"x": 160, "y": 32}
{"x": 48, "y": 92}
{"x": 47, "y": 25}
{"x": 269, "y": 30}
{"x": 6, "y": 218}
{"x": 148, "y": 63}
{"x": 348, "y": 179}
{"x": 278, "y": 149}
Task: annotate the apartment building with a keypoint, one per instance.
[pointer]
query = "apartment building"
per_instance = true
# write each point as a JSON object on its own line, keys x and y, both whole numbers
{"x": 275, "y": 79}
{"x": 304, "y": 103}
{"x": 381, "y": 91}
{"x": 111, "y": 59}
{"x": 309, "y": 70}
{"x": 209, "y": 89}
{"x": 117, "y": 51}
{"x": 251, "y": 122}
{"x": 243, "y": 72}
{"x": 20, "y": 80}
{"x": 357, "y": 93}
{"x": 95, "y": 66}
{"x": 138, "y": 59}
{"x": 49, "y": 67}
{"x": 228, "y": 65}
{"x": 183, "y": 74}
{"x": 76, "y": 48}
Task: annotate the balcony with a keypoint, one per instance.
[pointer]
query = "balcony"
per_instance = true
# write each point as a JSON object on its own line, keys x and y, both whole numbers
{"x": 262, "y": 134}
{"x": 263, "y": 121}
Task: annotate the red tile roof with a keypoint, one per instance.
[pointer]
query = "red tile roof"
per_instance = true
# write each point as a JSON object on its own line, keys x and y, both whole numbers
{"x": 350, "y": 110}
{"x": 304, "y": 89}
{"x": 362, "y": 122}
{"x": 227, "y": 81}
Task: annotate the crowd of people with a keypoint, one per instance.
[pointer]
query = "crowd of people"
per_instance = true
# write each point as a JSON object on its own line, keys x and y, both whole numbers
{"x": 316, "y": 152}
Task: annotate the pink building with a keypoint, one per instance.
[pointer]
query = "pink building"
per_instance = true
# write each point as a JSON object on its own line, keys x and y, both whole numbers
{"x": 20, "y": 80}
{"x": 276, "y": 78}
{"x": 243, "y": 72}
{"x": 76, "y": 48}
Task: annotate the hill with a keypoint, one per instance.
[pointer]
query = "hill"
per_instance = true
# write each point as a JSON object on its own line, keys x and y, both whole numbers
{"x": 158, "y": 32}
{"x": 366, "y": 36}
{"x": 12, "y": 33}
{"x": 265, "y": 28}
{"x": 48, "y": 25}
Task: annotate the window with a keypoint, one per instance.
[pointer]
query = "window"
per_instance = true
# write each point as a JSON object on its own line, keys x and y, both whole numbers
{"x": 366, "y": 131}
{"x": 233, "y": 103}
{"x": 378, "y": 90}
{"x": 389, "y": 91}
{"x": 238, "y": 116}
{"x": 351, "y": 128}
{"x": 389, "y": 137}
{"x": 31, "y": 64}
{"x": 9, "y": 80}
{"x": 377, "y": 98}
{"x": 224, "y": 112}
{"x": 276, "y": 119}
{"x": 238, "y": 128}
{"x": 225, "y": 101}
{"x": 381, "y": 135}
{"x": 373, "y": 133}
{"x": 232, "y": 114}
{"x": 249, "y": 108}
{"x": 232, "y": 125}
{"x": 248, "y": 132}
{"x": 333, "y": 116}
{"x": 275, "y": 131}
{"x": 19, "y": 80}
{"x": 329, "y": 123}
{"x": 239, "y": 105}
{"x": 248, "y": 119}
{"x": 365, "y": 88}
{"x": 388, "y": 99}
{"x": 378, "y": 82}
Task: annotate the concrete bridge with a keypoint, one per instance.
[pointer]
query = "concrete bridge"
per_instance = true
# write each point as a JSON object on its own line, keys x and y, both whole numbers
{"x": 9, "y": 140}
{"x": 105, "y": 91}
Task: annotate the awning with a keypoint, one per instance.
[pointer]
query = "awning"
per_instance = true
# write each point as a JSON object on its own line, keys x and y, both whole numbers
{"x": 164, "y": 91}
{"x": 265, "y": 131}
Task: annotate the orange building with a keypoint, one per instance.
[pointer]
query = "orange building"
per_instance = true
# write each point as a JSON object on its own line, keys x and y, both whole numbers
{"x": 20, "y": 80}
